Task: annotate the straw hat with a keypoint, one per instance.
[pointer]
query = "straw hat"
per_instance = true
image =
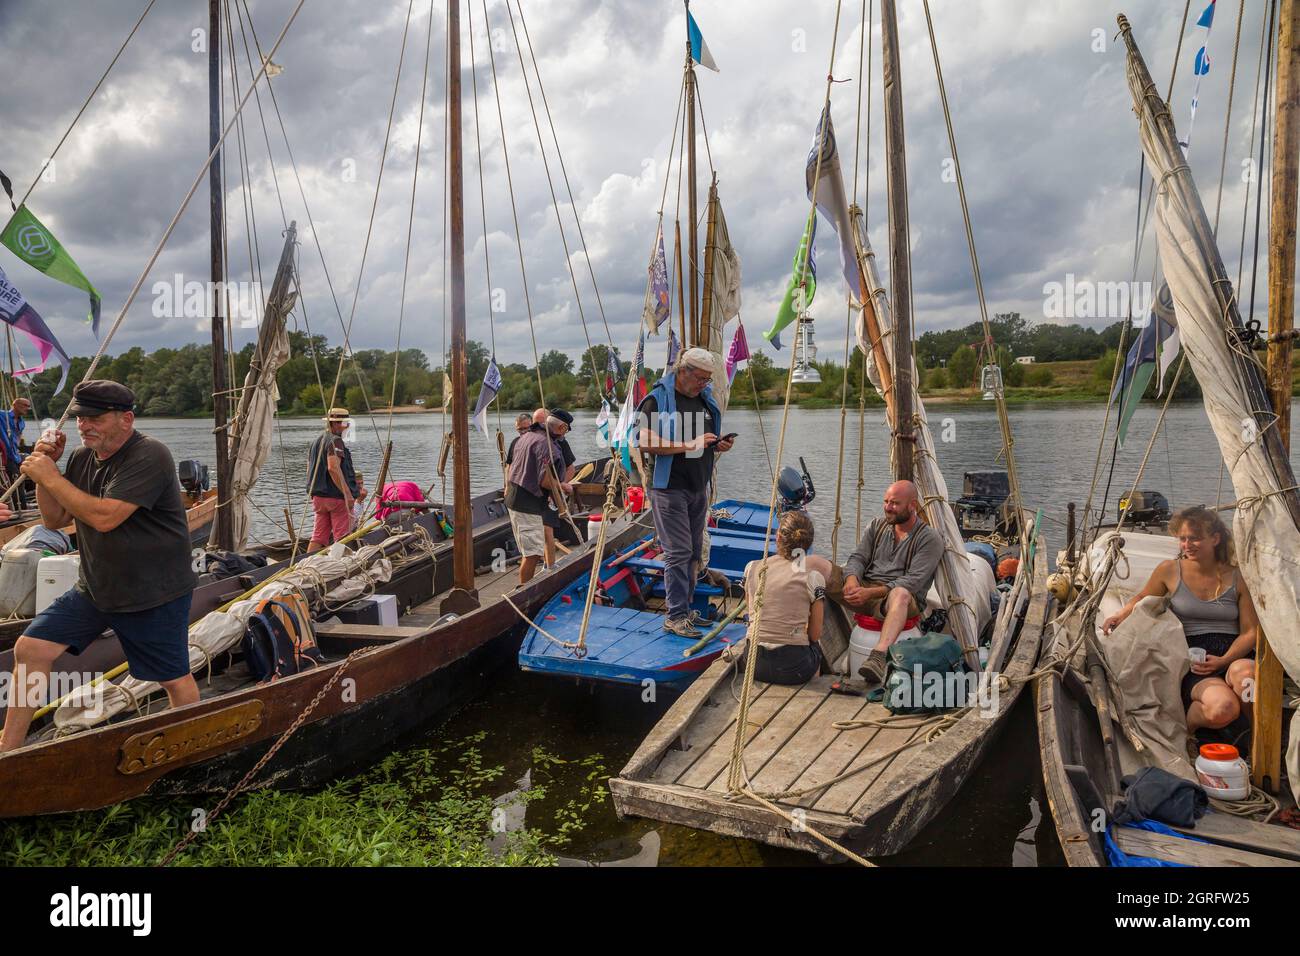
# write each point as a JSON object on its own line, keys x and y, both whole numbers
{"x": 337, "y": 415}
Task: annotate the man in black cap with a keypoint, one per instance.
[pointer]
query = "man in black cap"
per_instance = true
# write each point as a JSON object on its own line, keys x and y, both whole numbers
{"x": 557, "y": 423}
{"x": 136, "y": 576}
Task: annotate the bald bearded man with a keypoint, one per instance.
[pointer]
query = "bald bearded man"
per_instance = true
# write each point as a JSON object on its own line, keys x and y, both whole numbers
{"x": 890, "y": 571}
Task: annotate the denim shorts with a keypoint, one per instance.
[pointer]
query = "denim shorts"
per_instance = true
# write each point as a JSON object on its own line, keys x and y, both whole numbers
{"x": 156, "y": 640}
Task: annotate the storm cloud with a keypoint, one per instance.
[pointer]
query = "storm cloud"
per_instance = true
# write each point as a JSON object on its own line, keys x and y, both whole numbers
{"x": 1041, "y": 111}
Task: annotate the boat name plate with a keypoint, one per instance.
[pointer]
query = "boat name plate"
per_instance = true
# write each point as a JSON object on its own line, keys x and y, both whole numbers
{"x": 176, "y": 742}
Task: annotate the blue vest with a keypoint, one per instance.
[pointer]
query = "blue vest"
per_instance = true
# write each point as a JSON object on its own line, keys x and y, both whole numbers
{"x": 665, "y": 395}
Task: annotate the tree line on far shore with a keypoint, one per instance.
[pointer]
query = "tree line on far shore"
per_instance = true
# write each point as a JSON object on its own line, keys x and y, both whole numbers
{"x": 178, "y": 381}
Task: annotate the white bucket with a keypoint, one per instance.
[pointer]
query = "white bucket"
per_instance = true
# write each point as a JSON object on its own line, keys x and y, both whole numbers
{"x": 863, "y": 640}
{"x": 55, "y": 575}
{"x": 1223, "y": 773}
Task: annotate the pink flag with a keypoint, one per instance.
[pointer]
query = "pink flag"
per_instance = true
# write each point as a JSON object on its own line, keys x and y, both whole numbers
{"x": 738, "y": 352}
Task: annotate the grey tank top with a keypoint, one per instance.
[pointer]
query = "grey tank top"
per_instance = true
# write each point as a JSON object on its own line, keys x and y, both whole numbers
{"x": 1218, "y": 616}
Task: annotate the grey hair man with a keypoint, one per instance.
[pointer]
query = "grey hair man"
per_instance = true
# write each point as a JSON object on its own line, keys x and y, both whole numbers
{"x": 679, "y": 425}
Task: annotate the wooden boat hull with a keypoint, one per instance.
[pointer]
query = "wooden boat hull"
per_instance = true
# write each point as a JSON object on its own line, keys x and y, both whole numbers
{"x": 1073, "y": 758}
{"x": 401, "y": 682}
{"x": 904, "y": 798}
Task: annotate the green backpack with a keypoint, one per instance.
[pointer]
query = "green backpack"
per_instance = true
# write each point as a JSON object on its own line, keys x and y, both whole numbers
{"x": 926, "y": 675}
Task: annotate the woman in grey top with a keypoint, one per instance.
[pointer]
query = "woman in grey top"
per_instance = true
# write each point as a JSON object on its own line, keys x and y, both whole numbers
{"x": 1209, "y": 597}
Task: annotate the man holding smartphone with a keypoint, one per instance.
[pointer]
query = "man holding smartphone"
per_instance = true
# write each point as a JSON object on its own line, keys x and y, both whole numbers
{"x": 680, "y": 425}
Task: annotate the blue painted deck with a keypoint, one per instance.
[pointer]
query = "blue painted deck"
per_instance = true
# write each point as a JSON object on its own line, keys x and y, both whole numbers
{"x": 623, "y": 645}
{"x": 627, "y": 645}
{"x": 742, "y": 515}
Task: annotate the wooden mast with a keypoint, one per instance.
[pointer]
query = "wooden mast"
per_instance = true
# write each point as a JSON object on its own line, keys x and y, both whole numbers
{"x": 463, "y": 596}
{"x": 900, "y": 253}
{"x": 1266, "y": 742}
{"x": 222, "y": 525}
{"x": 692, "y": 226}
{"x": 681, "y": 275}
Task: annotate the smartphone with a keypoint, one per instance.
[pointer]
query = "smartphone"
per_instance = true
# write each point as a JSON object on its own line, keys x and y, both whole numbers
{"x": 727, "y": 437}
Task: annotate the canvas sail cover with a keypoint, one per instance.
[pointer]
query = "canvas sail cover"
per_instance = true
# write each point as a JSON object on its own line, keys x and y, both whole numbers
{"x": 957, "y": 586}
{"x": 725, "y": 292}
{"x": 346, "y": 577}
{"x": 1267, "y": 540}
{"x": 254, "y": 425}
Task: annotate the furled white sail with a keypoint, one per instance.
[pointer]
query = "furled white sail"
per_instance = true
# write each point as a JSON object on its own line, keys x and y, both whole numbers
{"x": 89, "y": 706}
{"x": 957, "y": 586}
{"x": 1267, "y": 540}
{"x": 253, "y": 427}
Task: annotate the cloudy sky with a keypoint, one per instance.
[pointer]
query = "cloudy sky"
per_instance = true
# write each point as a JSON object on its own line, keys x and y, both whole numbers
{"x": 1043, "y": 121}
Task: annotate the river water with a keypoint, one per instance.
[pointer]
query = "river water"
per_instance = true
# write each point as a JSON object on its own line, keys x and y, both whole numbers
{"x": 1056, "y": 447}
{"x": 997, "y": 818}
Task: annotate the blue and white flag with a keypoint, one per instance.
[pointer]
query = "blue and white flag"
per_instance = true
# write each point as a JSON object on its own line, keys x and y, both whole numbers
{"x": 625, "y": 436}
{"x": 674, "y": 348}
{"x": 602, "y": 424}
{"x": 1200, "y": 67}
{"x": 699, "y": 49}
{"x": 491, "y": 385}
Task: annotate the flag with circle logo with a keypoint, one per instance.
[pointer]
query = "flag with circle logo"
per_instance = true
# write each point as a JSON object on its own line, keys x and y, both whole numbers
{"x": 28, "y": 239}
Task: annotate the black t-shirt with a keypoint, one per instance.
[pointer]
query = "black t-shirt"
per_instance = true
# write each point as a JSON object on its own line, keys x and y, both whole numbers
{"x": 566, "y": 453}
{"x": 145, "y": 561}
{"x": 690, "y": 472}
{"x": 322, "y": 485}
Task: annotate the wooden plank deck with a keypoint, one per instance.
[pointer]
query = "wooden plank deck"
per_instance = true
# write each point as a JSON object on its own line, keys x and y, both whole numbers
{"x": 680, "y": 772}
{"x": 1189, "y": 852}
{"x": 1278, "y": 841}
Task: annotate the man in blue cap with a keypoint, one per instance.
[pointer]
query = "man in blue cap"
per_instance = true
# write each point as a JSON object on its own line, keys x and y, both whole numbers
{"x": 136, "y": 576}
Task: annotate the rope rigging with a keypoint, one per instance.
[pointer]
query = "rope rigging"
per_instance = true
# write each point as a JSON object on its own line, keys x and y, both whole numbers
{"x": 868, "y": 15}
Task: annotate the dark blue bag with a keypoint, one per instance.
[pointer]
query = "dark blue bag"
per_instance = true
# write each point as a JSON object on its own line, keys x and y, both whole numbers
{"x": 279, "y": 640}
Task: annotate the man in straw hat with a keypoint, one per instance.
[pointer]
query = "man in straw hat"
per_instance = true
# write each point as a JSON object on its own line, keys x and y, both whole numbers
{"x": 135, "y": 577}
{"x": 332, "y": 482}
{"x": 679, "y": 425}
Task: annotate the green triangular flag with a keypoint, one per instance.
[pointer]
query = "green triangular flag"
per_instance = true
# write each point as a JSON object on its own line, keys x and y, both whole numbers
{"x": 791, "y": 305}
{"x": 1133, "y": 397}
{"x": 28, "y": 239}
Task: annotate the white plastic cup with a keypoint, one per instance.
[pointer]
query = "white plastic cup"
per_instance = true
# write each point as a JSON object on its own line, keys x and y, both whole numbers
{"x": 1196, "y": 655}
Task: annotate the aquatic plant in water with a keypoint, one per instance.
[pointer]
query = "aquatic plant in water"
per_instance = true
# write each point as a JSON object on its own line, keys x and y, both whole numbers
{"x": 421, "y": 807}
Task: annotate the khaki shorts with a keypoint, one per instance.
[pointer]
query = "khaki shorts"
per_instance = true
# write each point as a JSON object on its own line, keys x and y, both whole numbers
{"x": 530, "y": 534}
{"x": 875, "y": 608}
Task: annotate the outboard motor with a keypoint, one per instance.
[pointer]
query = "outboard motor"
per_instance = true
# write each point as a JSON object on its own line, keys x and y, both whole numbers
{"x": 795, "y": 489}
{"x": 194, "y": 476}
{"x": 1145, "y": 507}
